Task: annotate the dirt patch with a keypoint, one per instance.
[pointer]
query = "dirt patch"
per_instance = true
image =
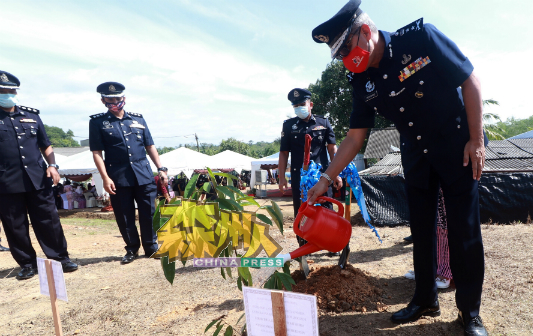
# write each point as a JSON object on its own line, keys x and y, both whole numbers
{"x": 341, "y": 290}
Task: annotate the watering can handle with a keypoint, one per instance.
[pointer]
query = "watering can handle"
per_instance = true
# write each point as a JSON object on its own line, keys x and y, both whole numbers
{"x": 340, "y": 212}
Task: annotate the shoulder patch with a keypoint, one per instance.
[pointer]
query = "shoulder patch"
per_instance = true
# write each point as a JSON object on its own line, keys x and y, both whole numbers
{"x": 320, "y": 116}
{"x": 29, "y": 109}
{"x": 94, "y": 116}
{"x": 412, "y": 27}
{"x": 135, "y": 114}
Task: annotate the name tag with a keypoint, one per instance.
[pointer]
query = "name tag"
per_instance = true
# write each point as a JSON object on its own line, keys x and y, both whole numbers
{"x": 137, "y": 126}
{"x": 27, "y": 121}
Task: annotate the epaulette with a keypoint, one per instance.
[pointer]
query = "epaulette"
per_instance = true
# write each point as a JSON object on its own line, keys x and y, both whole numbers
{"x": 94, "y": 116}
{"x": 412, "y": 27}
{"x": 29, "y": 109}
{"x": 135, "y": 114}
{"x": 320, "y": 116}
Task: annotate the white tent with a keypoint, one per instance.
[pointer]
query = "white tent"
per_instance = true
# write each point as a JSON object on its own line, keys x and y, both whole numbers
{"x": 230, "y": 159}
{"x": 256, "y": 164}
{"x": 185, "y": 160}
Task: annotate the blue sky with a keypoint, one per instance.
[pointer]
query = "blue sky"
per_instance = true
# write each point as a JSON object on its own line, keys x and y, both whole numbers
{"x": 223, "y": 68}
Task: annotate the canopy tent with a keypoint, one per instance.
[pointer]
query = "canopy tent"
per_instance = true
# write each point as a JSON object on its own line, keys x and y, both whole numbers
{"x": 230, "y": 159}
{"x": 269, "y": 160}
{"x": 185, "y": 160}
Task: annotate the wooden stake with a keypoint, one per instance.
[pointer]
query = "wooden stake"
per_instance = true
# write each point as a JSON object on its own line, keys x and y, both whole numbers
{"x": 53, "y": 297}
{"x": 348, "y": 203}
{"x": 278, "y": 311}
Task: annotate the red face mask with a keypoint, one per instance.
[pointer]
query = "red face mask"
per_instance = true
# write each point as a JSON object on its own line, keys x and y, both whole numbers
{"x": 115, "y": 107}
{"x": 357, "y": 60}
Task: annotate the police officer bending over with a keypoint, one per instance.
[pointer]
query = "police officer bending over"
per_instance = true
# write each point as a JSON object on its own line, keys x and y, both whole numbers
{"x": 293, "y": 141}
{"x": 420, "y": 80}
{"x": 126, "y": 172}
{"x": 26, "y": 183}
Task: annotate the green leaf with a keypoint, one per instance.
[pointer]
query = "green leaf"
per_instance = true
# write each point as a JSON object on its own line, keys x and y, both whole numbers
{"x": 240, "y": 318}
{"x": 244, "y": 272}
{"x": 225, "y": 204}
{"x": 228, "y": 270}
{"x": 219, "y": 327}
{"x": 236, "y": 205}
{"x": 191, "y": 186}
{"x": 276, "y": 218}
{"x": 169, "y": 269}
{"x": 227, "y": 192}
{"x": 286, "y": 268}
{"x": 206, "y": 187}
{"x": 276, "y": 208}
{"x": 264, "y": 218}
{"x": 271, "y": 282}
{"x": 249, "y": 199}
{"x": 233, "y": 177}
{"x": 210, "y": 325}
{"x": 222, "y": 272}
{"x": 286, "y": 280}
{"x": 229, "y": 331}
{"x": 237, "y": 191}
{"x": 239, "y": 283}
{"x": 156, "y": 220}
{"x": 243, "y": 328}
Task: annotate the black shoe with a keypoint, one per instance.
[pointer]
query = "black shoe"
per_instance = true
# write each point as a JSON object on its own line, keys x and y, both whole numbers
{"x": 409, "y": 239}
{"x": 413, "y": 312}
{"x": 473, "y": 327}
{"x": 26, "y": 273}
{"x": 129, "y": 257}
{"x": 333, "y": 254}
{"x": 69, "y": 267}
{"x": 3, "y": 249}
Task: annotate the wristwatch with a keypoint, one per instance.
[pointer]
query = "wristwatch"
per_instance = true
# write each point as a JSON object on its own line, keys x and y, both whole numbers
{"x": 54, "y": 165}
{"x": 326, "y": 176}
{"x": 162, "y": 169}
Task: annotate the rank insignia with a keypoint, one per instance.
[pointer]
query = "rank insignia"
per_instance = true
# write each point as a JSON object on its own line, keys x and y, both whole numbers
{"x": 318, "y": 128}
{"x": 412, "y": 68}
{"x": 27, "y": 121}
{"x": 4, "y": 78}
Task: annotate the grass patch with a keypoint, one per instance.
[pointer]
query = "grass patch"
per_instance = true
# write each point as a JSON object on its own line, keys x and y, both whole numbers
{"x": 99, "y": 223}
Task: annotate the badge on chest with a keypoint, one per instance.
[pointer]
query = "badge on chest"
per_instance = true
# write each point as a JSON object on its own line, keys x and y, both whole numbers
{"x": 107, "y": 124}
{"x": 25, "y": 120}
{"x": 135, "y": 124}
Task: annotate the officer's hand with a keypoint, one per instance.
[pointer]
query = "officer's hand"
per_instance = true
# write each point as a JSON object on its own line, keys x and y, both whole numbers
{"x": 109, "y": 186}
{"x": 163, "y": 177}
{"x": 54, "y": 174}
{"x": 282, "y": 183}
{"x": 337, "y": 183}
{"x": 319, "y": 189}
{"x": 475, "y": 151}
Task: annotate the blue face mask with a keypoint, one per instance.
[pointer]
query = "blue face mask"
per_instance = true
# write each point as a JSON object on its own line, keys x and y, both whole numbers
{"x": 8, "y": 100}
{"x": 301, "y": 111}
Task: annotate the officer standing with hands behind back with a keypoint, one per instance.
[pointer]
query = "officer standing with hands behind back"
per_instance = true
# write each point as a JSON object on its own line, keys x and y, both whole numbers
{"x": 26, "y": 183}
{"x": 420, "y": 80}
{"x": 126, "y": 139}
{"x": 293, "y": 142}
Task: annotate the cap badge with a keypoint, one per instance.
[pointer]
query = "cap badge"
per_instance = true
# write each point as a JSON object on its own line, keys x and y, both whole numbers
{"x": 112, "y": 88}
{"x": 322, "y": 38}
{"x": 370, "y": 86}
{"x": 296, "y": 94}
{"x": 4, "y": 78}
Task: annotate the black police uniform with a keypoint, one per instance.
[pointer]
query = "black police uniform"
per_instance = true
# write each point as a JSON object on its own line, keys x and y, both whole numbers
{"x": 124, "y": 141}
{"x": 417, "y": 87}
{"x": 293, "y": 140}
{"x": 25, "y": 189}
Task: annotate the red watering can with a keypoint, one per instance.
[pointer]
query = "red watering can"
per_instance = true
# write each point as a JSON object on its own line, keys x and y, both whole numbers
{"x": 324, "y": 229}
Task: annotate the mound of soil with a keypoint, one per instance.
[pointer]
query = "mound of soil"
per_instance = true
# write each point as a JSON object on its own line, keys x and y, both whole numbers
{"x": 341, "y": 290}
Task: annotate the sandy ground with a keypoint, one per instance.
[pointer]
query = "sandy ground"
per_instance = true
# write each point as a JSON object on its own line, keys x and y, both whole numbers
{"x": 107, "y": 298}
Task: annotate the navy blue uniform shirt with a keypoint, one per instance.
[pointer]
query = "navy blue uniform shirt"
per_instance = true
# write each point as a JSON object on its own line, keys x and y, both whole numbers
{"x": 22, "y": 167}
{"x": 417, "y": 87}
{"x": 123, "y": 142}
{"x": 293, "y": 140}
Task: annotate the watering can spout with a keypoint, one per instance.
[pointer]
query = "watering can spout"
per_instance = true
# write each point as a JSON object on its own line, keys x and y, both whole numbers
{"x": 300, "y": 252}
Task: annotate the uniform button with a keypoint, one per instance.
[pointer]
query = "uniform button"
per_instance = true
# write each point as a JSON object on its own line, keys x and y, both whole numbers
{"x": 458, "y": 126}
{"x": 131, "y": 162}
{"x": 375, "y": 108}
{"x": 12, "y": 118}
{"x": 385, "y": 76}
{"x": 402, "y": 109}
{"x": 124, "y": 131}
{"x": 21, "y": 147}
{"x": 295, "y": 136}
{"x": 393, "y": 93}
{"x": 122, "y": 124}
{"x": 127, "y": 139}
{"x": 425, "y": 151}
{"x": 403, "y": 143}
{"x": 418, "y": 137}
{"x": 18, "y": 137}
{"x": 110, "y": 133}
{"x": 23, "y": 157}
{"x": 16, "y": 127}
{"x": 421, "y": 83}
{"x": 129, "y": 154}
{"x": 128, "y": 146}
{"x": 411, "y": 124}
{"x": 25, "y": 166}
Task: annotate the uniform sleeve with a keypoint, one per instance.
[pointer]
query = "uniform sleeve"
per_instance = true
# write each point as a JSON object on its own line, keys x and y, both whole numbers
{"x": 148, "y": 141}
{"x": 330, "y": 135}
{"x": 362, "y": 115}
{"x": 95, "y": 137}
{"x": 450, "y": 62}
{"x": 285, "y": 144}
{"x": 42, "y": 137}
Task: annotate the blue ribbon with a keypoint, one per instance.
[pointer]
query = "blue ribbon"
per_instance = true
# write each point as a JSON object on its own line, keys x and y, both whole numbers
{"x": 310, "y": 177}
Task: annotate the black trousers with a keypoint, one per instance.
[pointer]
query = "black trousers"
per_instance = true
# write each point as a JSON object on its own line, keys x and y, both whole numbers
{"x": 124, "y": 209}
{"x": 464, "y": 238}
{"x": 40, "y": 206}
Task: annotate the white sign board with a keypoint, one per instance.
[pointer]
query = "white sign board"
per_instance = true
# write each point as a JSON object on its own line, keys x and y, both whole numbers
{"x": 59, "y": 279}
{"x": 300, "y": 313}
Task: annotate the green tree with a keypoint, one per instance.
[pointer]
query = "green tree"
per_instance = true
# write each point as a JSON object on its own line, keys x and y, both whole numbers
{"x": 493, "y": 131}
{"x": 513, "y": 126}
{"x": 235, "y": 145}
{"x": 60, "y": 138}
{"x": 163, "y": 150}
{"x": 332, "y": 97}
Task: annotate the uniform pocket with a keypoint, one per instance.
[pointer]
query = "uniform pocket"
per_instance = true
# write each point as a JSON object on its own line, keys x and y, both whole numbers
{"x": 111, "y": 136}
{"x": 30, "y": 130}
{"x": 3, "y": 132}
